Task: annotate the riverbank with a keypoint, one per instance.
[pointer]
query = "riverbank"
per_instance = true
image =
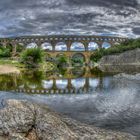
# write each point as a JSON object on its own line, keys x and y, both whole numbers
{"x": 6, "y": 69}
{"x": 128, "y": 61}
{"x": 12, "y": 66}
{"x": 44, "y": 124}
{"x": 131, "y": 57}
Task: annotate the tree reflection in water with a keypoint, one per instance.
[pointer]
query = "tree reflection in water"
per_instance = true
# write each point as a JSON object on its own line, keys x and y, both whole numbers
{"x": 63, "y": 79}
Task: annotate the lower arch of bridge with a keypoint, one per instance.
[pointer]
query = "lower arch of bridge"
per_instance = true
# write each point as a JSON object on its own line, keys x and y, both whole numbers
{"x": 61, "y": 56}
{"x": 50, "y": 58}
{"x": 1, "y": 45}
{"x": 78, "y": 72}
{"x": 77, "y": 46}
{"x": 9, "y": 46}
{"x": 78, "y": 58}
{"x": 46, "y": 46}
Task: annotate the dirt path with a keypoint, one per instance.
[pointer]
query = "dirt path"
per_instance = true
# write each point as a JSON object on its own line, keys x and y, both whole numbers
{"x": 5, "y": 69}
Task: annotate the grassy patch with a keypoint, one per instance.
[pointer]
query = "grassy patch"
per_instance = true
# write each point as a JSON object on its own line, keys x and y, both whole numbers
{"x": 11, "y": 62}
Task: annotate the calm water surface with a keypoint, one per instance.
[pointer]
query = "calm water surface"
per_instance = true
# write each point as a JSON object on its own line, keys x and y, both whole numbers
{"x": 87, "y": 95}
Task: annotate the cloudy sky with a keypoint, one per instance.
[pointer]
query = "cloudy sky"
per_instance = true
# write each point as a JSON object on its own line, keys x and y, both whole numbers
{"x": 43, "y": 17}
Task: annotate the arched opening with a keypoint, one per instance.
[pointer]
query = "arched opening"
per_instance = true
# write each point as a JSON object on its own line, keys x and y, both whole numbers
{"x": 62, "y": 84}
{"x": 47, "y": 46}
{"x": 93, "y": 46}
{"x": 93, "y": 82}
{"x": 80, "y": 72}
{"x": 31, "y": 45}
{"x": 106, "y": 45}
{"x": 9, "y": 46}
{"x": 78, "y": 59}
{"x": 47, "y": 84}
{"x": 77, "y": 46}
{"x": 61, "y": 46}
{"x": 20, "y": 47}
{"x": 61, "y": 60}
{"x": 78, "y": 83}
{"x": 49, "y": 58}
{"x": 1, "y": 45}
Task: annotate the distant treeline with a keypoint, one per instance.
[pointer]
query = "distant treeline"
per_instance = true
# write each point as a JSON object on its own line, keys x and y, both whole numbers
{"x": 120, "y": 48}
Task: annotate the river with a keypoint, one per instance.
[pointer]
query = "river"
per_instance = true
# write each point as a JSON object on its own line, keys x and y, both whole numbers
{"x": 88, "y": 95}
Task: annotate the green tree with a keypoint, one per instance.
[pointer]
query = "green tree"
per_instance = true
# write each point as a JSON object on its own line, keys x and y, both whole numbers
{"x": 32, "y": 57}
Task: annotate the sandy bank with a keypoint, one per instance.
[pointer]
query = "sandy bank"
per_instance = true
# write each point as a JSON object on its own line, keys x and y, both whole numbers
{"x": 5, "y": 69}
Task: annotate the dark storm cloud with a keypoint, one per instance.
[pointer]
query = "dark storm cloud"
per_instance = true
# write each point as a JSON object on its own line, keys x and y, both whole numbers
{"x": 136, "y": 30}
{"x": 25, "y": 17}
{"x": 132, "y": 3}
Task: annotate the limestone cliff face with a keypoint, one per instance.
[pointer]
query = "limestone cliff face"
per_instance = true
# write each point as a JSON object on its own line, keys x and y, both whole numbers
{"x": 23, "y": 120}
{"x": 131, "y": 57}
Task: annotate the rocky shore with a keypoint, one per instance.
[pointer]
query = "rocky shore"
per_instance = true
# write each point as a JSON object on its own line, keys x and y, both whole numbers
{"x": 23, "y": 120}
{"x": 131, "y": 57}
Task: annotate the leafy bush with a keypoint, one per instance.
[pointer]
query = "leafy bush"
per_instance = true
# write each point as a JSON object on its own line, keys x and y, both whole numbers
{"x": 32, "y": 57}
{"x": 5, "y": 52}
{"x": 125, "y": 46}
{"x": 19, "y": 48}
{"x": 62, "y": 59}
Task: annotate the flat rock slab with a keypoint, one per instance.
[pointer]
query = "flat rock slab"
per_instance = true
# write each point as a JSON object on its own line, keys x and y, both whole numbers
{"x": 23, "y": 120}
{"x": 6, "y": 69}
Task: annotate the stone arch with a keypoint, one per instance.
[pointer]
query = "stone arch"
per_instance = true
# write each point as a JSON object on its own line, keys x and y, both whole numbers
{"x": 46, "y": 46}
{"x": 80, "y": 72}
{"x": 61, "y": 46}
{"x": 9, "y": 46}
{"x": 106, "y": 45}
{"x": 62, "y": 83}
{"x": 49, "y": 57}
{"x": 78, "y": 58}
{"x": 1, "y": 45}
{"x": 61, "y": 54}
{"x": 61, "y": 59}
{"x": 77, "y": 46}
{"x": 93, "y": 46}
{"x": 47, "y": 84}
{"x": 94, "y": 82}
{"x": 78, "y": 83}
{"x": 31, "y": 45}
{"x": 20, "y": 47}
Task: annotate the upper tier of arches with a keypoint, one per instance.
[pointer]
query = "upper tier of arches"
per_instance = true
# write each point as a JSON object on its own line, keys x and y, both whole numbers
{"x": 75, "y": 46}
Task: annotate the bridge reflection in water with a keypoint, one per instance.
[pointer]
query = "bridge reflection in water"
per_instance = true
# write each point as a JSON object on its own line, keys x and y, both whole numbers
{"x": 72, "y": 81}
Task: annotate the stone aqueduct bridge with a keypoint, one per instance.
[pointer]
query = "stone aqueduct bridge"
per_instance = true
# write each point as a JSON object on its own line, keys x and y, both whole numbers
{"x": 67, "y": 39}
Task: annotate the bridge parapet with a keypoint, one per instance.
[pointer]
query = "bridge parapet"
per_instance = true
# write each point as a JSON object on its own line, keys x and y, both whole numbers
{"x": 62, "y": 38}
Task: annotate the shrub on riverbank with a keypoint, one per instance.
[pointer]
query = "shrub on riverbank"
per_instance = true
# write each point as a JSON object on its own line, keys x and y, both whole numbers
{"x": 125, "y": 46}
{"x": 5, "y": 52}
{"x": 32, "y": 57}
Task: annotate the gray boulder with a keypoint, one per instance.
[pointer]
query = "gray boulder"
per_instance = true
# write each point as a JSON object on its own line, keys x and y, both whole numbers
{"x": 131, "y": 57}
{"x": 23, "y": 120}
